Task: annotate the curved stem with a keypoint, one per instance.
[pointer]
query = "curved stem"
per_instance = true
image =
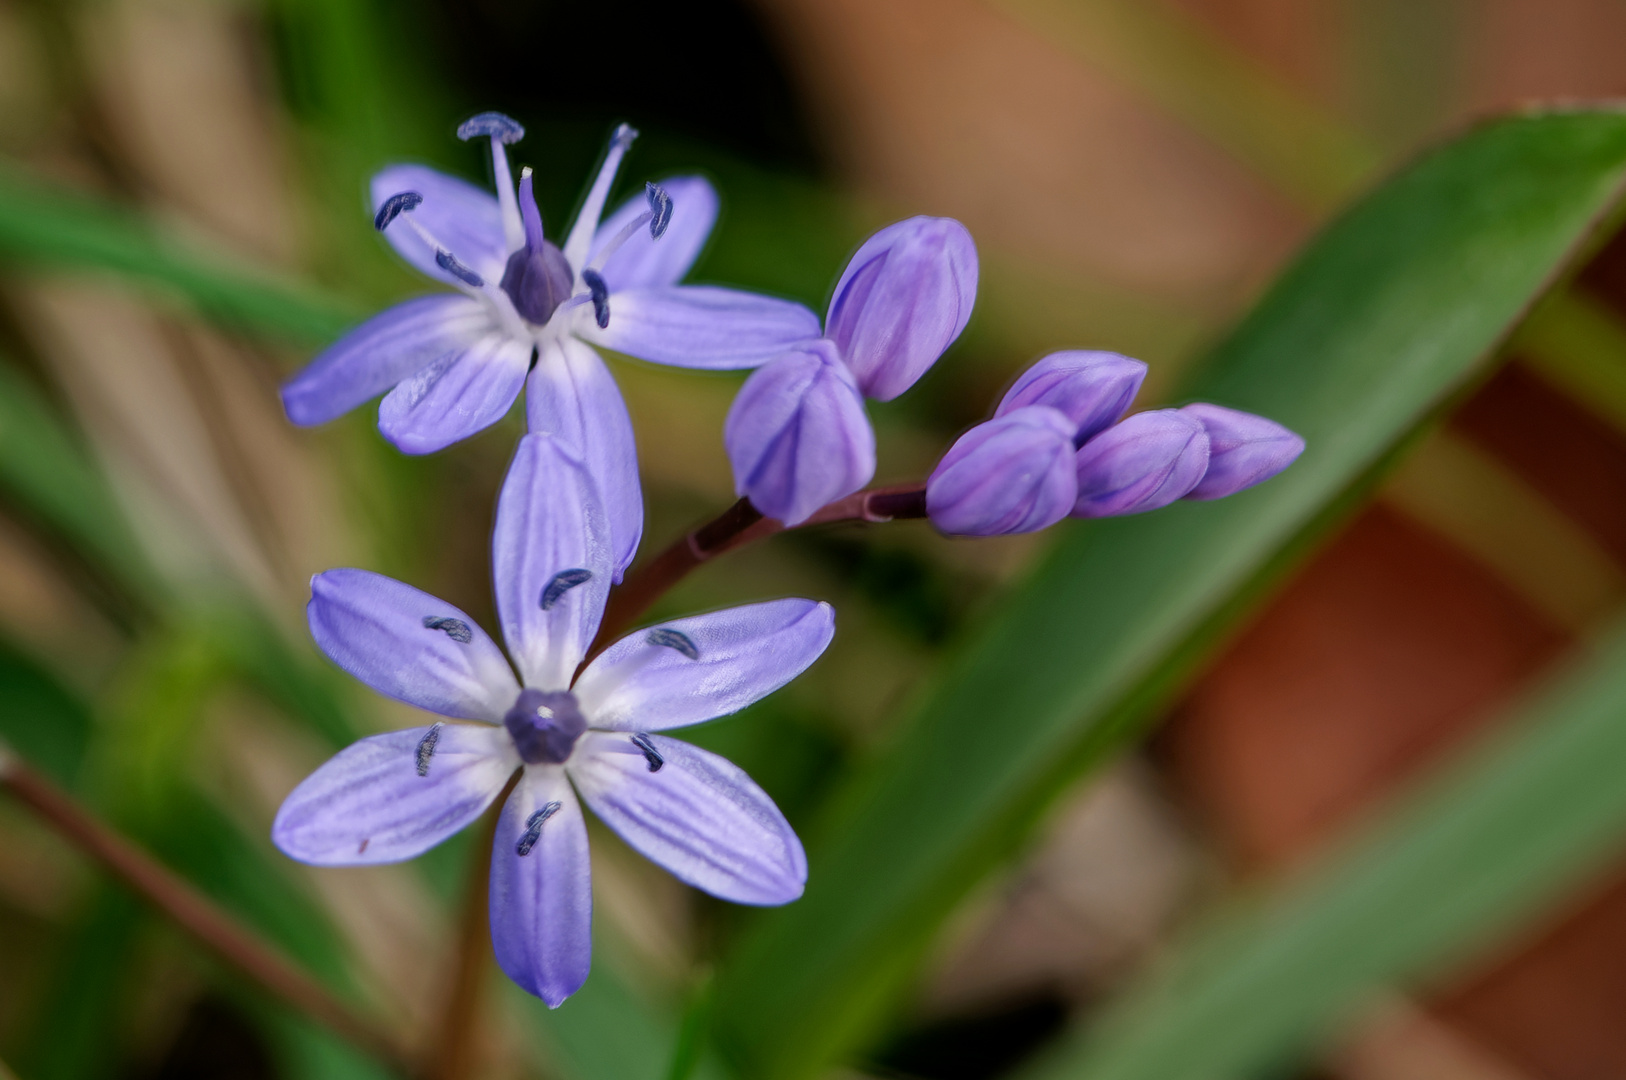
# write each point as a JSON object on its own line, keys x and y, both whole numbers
{"x": 735, "y": 527}
{"x": 229, "y": 939}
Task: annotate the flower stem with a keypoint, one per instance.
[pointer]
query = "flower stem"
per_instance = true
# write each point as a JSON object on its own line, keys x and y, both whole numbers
{"x": 233, "y": 942}
{"x": 456, "y": 1050}
{"x": 735, "y": 527}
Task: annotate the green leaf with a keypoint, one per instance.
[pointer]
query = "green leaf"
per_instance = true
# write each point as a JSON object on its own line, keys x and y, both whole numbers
{"x": 1468, "y": 855}
{"x": 42, "y": 226}
{"x": 1385, "y": 315}
{"x": 40, "y": 719}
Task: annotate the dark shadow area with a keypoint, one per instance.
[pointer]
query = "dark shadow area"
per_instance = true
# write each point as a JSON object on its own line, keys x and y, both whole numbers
{"x": 217, "y": 1042}
{"x": 975, "y": 1047}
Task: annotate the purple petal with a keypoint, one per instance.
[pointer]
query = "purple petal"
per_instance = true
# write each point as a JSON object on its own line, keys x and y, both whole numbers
{"x": 551, "y": 561}
{"x": 389, "y": 347}
{"x": 1244, "y": 450}
{"x": 395, "y": 796}
{"x": 1094, "y": 389}
{"x": 542, "y": 901}
{"x": 715, "y": 665}
{"x": 409, "y": 645}
{"x": 797, "y": 435}
{"x": 464, "y": 218}
{"x": 644, "y": 261}
{"x": 456, "y": 396}
{"x": 1140, "y": 464}
{"x": 572, "y": 396}
{"x": 902, "y": 300}
{"x": 700, "y": 326}
{"x": 1014, "y": 474}
{"x": 696, "y": 814}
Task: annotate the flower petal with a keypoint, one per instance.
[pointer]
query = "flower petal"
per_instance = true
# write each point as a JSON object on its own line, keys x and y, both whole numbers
{"x": 1244, "y": 450}
{"x": 551, "y": 561}
{"x": 382, "y": 351}
{"x": 392, "y": 797}
{"x": 643, "y": 260}
{"x": 901, "y": 301}
{"x": 572, "y": 396}
{"x": 1093, "y": 389}
{"x": 1142, "y": 463}
{"x": 700, "y": 326}
{"x": 689, "y": 670}
{"x": 695, "y": 813}
{"x": 464, "y": 218}
{"x": 409, "y": 645}
{"x": 797, "y": 435}
{"x": 1013, "y": 474}
{"x": 456, "y": 396}
{"x": 542, "y": 900}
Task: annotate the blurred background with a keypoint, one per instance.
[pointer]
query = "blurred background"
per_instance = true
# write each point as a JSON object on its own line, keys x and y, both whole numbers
{"x": 1134, "y": 174}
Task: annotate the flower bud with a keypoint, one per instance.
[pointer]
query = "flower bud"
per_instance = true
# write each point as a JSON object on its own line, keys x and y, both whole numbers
{"x": 797, "y": 435}
{"x": 1140, "y": 464}
{"x": 1243, "y": 450}
{"x": 1014, "y": 474}
{"x": 902, "y": 300}
{"x": 1093, "y": 389}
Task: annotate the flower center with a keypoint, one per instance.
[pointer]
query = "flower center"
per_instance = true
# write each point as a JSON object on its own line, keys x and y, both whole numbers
{"x": 538, "y": 278}
{"x": 545, "y": 725}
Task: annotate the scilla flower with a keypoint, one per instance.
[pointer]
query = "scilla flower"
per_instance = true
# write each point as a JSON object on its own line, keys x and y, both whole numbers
{"x": 797, "y": 436}
{"x": 453, "y": 363}
{"x": 1060, "y": 446}
{"x": 391, "y": 797}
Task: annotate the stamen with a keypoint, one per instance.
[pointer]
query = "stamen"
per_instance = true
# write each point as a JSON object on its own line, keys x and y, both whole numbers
{"x": 600, "y": 294}
{"x": 586, "y": 224}
{"x": 561, "y": 583}
{"x": 448, "y": 262}
{"x": 426, "y": 748}
{"x": 493, "y": 124}
{"x": 456, "y": 629}
{"x": 395, "y": 206}
{"x": 661, "y": 204}
{"x": 533, "y": 828}
{"x": 673, "y": 639}
{"x": 651, "y": 755}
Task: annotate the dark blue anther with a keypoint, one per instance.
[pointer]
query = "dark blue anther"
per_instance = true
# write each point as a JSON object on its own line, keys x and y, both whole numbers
{"x": 394, "y": 207}
{"x": 502, "y": 128}
{"x": 426, "y": 748}
{"x": 601, "y": 297}
{"x": 660, "y": 204}
{"x": 448, "y": 262}
{"x": 456, "y": 629}
{"x": 533, "y": 829}
{"x": 544, "y": 725}
{"x": 651, "y": 755}
{"x": 674, "y": 639}
{"x": 561, "y": 583}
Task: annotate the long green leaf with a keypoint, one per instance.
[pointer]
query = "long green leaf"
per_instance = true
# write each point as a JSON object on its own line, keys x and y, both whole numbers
{"x": 1470, "y": 854}
{"x": 44, "y": 227}
{"x": 1386, "y": 314}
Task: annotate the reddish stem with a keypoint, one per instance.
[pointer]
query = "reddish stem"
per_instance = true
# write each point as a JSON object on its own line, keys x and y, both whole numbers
{"x": 735, "y": 527}
{"x": 175, "y": 897}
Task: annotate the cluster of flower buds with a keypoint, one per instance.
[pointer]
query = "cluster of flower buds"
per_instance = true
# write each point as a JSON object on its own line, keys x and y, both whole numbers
{"x": 1059, "y": 446}
{"x": 797, "y": 434}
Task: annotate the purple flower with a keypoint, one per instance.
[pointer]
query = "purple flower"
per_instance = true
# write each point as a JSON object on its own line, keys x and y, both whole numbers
{"x": 1094, "y": 389}
{"x": 391, "y": 797}
{"x": 1014, "y": 474}
{"x": 453, "y": 363}
{"x": 1243, "y": 450}
{"x": 1140, "y": 464}
{"x": 797, "y": 435}
{"x": 903, "y": 299}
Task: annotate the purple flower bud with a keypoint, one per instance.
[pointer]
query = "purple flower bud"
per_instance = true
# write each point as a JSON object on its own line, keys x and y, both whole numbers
{"x": 1243, "y": 450}
{"x": 902, "y": 300}
{"x": 1094, "y": 389}
{"x": 1140, "y": 464}
{"x": 797, "y": 435}
{"x": 1014, "y": 474}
